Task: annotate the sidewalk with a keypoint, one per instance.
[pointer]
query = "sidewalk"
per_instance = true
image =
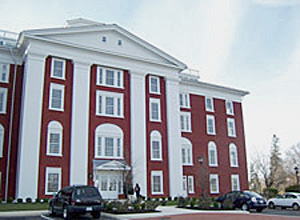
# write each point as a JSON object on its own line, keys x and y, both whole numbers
{"x": 23, "y": 213}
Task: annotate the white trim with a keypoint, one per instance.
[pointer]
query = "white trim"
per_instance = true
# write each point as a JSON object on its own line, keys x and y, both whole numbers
{"x": 154, "y": 101}
{"x": 63, "y": 77}
{"x": 231, "y": 130}
{"x": 50, "y": 170}
{"x": 157, "y": 84}
{"x": 212, "y": 119}
{"x": 101, "y": 79}
{"x": 212, "y": 147}
{"x": 62, "y": 89}
{"x": 156, "y": 136}
{"x": 212, "y": 177}
{"x": 184, "y": 184}
{"x": 4, "y": 91}
{"x": 232, "y": 147}
{"x": 57, "y": 128}
{"x": 235, "y": 177}
{"x": 160, "y": 174}
{"x": 2, "y": 132}
{"x": 187, "y": 150}
{"x": 207, "y": 107}
{"x": 185, "y": 122}
{"x": 229, "y": 107}
{"x": 7, "y": 72}
{"x": 116, "y": 96}
{"x": 184, "y": 100}
{"x": 191, "y": 188}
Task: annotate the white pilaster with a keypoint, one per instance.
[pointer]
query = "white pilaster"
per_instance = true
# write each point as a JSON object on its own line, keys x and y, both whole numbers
{"x": 30, "y": 127}
{"x": 174, "y": 135}
{"x": 138, "y": 131}
{"x": 80, "y": 123}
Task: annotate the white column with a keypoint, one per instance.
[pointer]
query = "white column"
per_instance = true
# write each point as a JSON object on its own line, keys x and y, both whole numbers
{"x": 30, "y": 127}
{"x": 80, "y": 123}
{"x": 174, "y": 135}
{"x": 138, "y": 131}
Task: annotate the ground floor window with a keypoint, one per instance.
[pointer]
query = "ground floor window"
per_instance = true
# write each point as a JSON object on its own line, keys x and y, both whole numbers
{"x": 53, "y": 180}
{"x": 109, "y": 184}
{"x": 157, "y": 182}
{"x": 214, "y": 183}
{"x": 235, "y": 182}
{"x": 191, "y": 184}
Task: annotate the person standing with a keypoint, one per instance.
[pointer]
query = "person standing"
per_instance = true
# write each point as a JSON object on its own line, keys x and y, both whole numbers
{"x": 137, "y": 190}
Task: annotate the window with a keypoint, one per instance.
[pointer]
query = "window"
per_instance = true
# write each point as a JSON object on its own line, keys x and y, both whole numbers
{"x": 214, "y": 183}
{"x": 109, "y": 104}
{"x": 185, "y": 122}
{"x": 209, "y": 104}
{"x": 3, "y": 100}
{"x": 231, "y": 127}
{"x": 157, "y": 182}
{"x": 120, "y": 42}
{"x": 155, "y": 110}
{"x": 210, "y": 125}
{"x": 1, "y": 140}
{"x": 103, "y": 39}
{"x": 4, "y": 73}
{"x": 212, "y": 154}
{"x": 108, "y": 141}
{"x": 55, "y": 135}
{"x": 191, "y": 184}
{"x": 184, "y": 183}
{"x": 186, "y": 152}
{"x": 235, "y": 182}
{"x": 156, "y": 149}
{"x": 184, "y": 100}
{"x": 56, "y": 97}
{"x": 154, "y": 84}
{"x": 109, "y": 77}
{"x": 53, "y": 180}
{"x": 58, "y": 68}
{"x": 229, "y": 108}
{"x": 233, "y": 155}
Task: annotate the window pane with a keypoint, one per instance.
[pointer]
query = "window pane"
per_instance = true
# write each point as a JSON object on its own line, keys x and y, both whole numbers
{"x": 184, "y": 183}
{"x": 156, "y": 184}
{"x": 100, "y": 104}
{"x": 187, "y": 123}
{"x": 99, "y": 147}
{"x": 182, "y": 122}
{"x": 56, "y": 98}
{"x": 186, "y": 100}
{"x": 58, "y": 68}
{"x": 119, "y": 106}
{"x": 155, "y": 150}
{"x": 109, "y": 106}
{"x": 183, "y": 155}
{"x": 154, "y": 84}
{"x": 181, "y": 99}
{"x": 109, "y": 147}
{"x": 154, "y": 109}
{"x": 2, "y": 101}
{"x": 109, "y": 77}
{"x": 212, "y": 156}
{"x": 53, "y": 182}
{"x": 100, "y": 76}
{"x": 119, "y": 79}
{"x": 118, "y": 147}
{"x": 189, "y": 156}
{"x": 54, "y": 143}
{"x": 104, "y": 183}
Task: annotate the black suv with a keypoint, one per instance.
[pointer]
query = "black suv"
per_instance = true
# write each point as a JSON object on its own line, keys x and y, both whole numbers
{"x": 76, "y": 200}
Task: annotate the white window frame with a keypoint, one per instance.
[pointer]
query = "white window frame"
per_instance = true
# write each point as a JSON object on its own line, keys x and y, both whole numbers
{"x": 216, "y": 177}
{"x": 160, "y": 174}
{"x": 184, "y": 100}
{"x": 57, "y": 128}
{"x": 229, "y": 111}
{"x": 55, "y": 170}
{"x": 184, "y": 183}
{"x": 63, "y": 77}
{"x": 58, "y": 87}
{"x": 212, "y": 147}
{"x": 191, "y": 188}
{"x": 155, "y": 101}
{"x": 231, "y": 130}
{"x": 4, "y": 91}
{"x": 115, "y": 96}
{"x": 210, "y": 118}
{"x": 235, "y": 177}
{"x": 156, "y": 136}
{"x": 158, "y": 84}
{"x": 2, "y": 132}
{"x": 187, "y": 147}
{"x": 232, "y": 147}
{"x": 7, "y": 73}
{"x": 207, "y": 108}
{"x": 185, "y": 122}
{"x": 115, "y": 75}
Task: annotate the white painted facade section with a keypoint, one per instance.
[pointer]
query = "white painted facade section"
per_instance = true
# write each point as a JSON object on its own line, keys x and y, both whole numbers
{"x": 30, "y": 127}
{"x": 174, "y": 135}
{"x": 138, "y": 131}
{"x": 80, "y": 123}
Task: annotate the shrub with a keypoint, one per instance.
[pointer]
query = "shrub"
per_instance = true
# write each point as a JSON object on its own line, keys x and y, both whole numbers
{"x": 169, "y": 198}
{"x": 45, "y": 200}
{"x": 143, "y": 206}
{"x": 28, "y": 200}
{"x": 175, "y": 198}
{"x": 20, "y": 200}
{"x": 192, "y": 202}
{"x": 182, "y": 202}
{"x": 137, "y": 206}
{"x": 10, "y": 199}
{"x": 270, "y": 192}
{"x": 293, "y": 188}
{"x": 151, "y": 205}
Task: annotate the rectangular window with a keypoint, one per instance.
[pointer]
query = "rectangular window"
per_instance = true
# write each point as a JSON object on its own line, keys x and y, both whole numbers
{"x": 53, "y": 180}
{"x": 184, "y": 100}
{"x": 109, "y": 104}
{"x": 109, "y": 147}
{"x": 1, "y": 140}
{"x": 210, "y": 124}
{"x": 56, "y": 97}
{"x": 186, "y": 155}
{"x": 157, "y": 182}
{"x": 235, "y": 182}
{"x": 231, "y": 127}
{"x": 156, "y": 150}
{"x": 214, "y": 183}
{"x": 58, "y": 68}
{"x": 154, "y": 84}
{"x": 191, "y": 184}
{"x": 229, "y": 108}
{"x": 54, "y": 143}
{"x": 104, "y": 183}
{"x": 184, "y": 184}
{"x": 99, "y": 147}
{"x": 185, "y": 121}
{"x": 118, "y": 147}
{"x": 155, "y": 114}
{"x": 3, "y": 100}
{"x": 109, "y": 77}
{"x": 4, "y": 71}
{"x": 209, "y": 104}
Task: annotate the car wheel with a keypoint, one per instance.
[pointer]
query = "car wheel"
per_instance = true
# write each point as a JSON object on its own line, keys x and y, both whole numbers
{"x": 295, "y": 207}
{"x": 96, "y": 215}
{"x": 51, "y": 210}
{"x": 271, "y": 205}
{"x": 245, "y": 207}
{"x": 66, "y": 214}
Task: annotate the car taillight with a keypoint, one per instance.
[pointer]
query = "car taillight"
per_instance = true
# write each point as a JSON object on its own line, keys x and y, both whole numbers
{"x": 253, "y": 199}
{"x": 72, "y": 202}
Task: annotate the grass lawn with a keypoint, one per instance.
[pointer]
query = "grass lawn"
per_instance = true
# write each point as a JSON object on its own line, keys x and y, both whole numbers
{"x": 5, "y": 207}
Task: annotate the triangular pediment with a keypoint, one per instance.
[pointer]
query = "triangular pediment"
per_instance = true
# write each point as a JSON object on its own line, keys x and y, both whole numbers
{"x": 111, "y": 165}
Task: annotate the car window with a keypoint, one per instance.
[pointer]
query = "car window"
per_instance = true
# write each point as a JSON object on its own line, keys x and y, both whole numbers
{"x": 289, "y": 196}
{"x": 84, "y": 192}
{"x": 254, "y": 194}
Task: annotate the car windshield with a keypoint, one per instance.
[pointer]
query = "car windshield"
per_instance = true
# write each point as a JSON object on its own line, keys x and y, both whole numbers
{"x": 254, "y": 194}
{"x": 84, "y": 192}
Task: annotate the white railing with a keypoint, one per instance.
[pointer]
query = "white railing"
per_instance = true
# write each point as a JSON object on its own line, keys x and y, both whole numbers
{"x": 190, "y": 74}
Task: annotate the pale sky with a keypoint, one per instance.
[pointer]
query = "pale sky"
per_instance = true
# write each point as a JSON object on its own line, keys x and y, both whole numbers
{"x": 253, "y": 45}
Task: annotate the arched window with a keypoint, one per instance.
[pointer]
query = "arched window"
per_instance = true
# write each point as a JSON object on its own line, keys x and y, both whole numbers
{"x": 1, "y": 139}
{"x": 108, "y": 141}
{"x": 156, "y": 149}
{"x": 212, "y": 154}
{"x": 55, "y": 136}
{"x": 233, "y": 154}
{"x": 186, "y": 152}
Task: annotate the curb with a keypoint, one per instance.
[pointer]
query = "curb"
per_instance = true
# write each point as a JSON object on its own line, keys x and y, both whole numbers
{"x": 23, "y": 213}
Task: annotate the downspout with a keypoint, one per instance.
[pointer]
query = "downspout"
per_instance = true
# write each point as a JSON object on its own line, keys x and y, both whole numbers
{"x": 10, "y": 123}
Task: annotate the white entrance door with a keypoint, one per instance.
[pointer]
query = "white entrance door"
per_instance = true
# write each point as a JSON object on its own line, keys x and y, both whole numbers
{"x": 109, "y": 184}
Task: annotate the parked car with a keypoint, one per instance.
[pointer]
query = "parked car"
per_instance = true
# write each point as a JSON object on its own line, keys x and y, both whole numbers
{"x": 244, "y": 200}
{"x": 288, "y": 200}
{"x": 76, "y": 200}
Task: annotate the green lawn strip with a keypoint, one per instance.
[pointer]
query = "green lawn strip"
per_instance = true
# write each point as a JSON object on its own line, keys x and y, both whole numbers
{"x": 5, "y": 207}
